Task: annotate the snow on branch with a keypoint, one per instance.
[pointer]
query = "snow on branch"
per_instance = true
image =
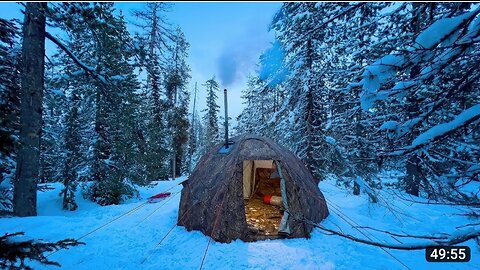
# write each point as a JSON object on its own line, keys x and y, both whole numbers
{"x": 452, "y": 36}
{"x": 88, "y": 69}
{"x": 467, "y": 116}
{"x": 441, "y": 130}
{"x": 401, "y": 129}
{"x": 377, "y": 74}
{"x": 442, "y": 31}
{"x": 15, "y": 252}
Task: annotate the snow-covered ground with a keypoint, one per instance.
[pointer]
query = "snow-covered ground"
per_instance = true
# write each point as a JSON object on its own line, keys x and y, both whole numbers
{"x": 128, "y": 241}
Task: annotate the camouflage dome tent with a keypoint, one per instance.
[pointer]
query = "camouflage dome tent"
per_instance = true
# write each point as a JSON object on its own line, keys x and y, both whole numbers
{"x": 225, "y": 180}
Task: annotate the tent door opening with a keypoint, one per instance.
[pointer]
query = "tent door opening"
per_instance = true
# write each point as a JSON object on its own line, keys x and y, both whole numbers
{"x": 264, "y": 200}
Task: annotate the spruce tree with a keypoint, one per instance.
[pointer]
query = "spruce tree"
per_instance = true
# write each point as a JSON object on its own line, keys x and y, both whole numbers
{"x": 9, "y": 108}
{"x": 212, "y": 135}
{"x": 156, "y": 40}
{"x": 73, "y": 156}
{"x": 176, "y": 80}
{"x": 115, "y": 118}
{"x": 72, "y": 129}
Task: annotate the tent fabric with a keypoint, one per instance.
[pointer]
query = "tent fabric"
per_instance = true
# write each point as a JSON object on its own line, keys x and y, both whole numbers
{"x": 212, "y": 199}
{"x": 284, "y": 226}
{"x": 247, "y": 178}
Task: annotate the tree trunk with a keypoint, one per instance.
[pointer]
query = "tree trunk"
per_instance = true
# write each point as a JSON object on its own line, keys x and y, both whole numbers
{"x": 413, "y": 178}
{"x": 33, "y": 53}
{"x": 413, "y": 171}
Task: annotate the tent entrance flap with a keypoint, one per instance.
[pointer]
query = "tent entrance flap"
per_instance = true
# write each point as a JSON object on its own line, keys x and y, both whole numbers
{"x": 262, "y": 193}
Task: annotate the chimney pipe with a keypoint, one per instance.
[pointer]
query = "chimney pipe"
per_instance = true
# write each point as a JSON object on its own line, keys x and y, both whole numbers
{"x": 226, "y": 118}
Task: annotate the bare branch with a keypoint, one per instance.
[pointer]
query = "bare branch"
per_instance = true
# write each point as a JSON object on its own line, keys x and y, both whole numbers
{"x": 405, "y": 235}
{"x": 468, "y": 225}
{"x": 88, "y": 69}
{"x": 340, "y": 14}
{"x": 460, "y": 238}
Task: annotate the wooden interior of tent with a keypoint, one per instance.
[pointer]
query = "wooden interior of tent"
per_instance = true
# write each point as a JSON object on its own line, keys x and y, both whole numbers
{"x": 260, "y": 179}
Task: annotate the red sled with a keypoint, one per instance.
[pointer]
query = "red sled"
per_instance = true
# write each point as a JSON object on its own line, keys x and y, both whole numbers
{"x": 158, "y": 197}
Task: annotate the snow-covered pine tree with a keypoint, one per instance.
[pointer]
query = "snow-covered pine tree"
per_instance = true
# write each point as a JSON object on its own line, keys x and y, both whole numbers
{"x": 55, "y": 107}
{"x": 9, "y": 108}
{"x": 211, "y": 135}
{"x": 182, "y": 133}
{"x": 116, "y": 150}
{"x": 73, "y": 157}
{"x": 156, "y": 41}
{"x": 68, "y": 82}
{"x": 295, "y": 26}
{"x": 108, "y": 101}
{"x": 256, "y": 114}
{"x": 25, "y": 190}
{"x": 176, "y": 80}
{"x": 412, "y": 82}
{"x": 347, "y": 44}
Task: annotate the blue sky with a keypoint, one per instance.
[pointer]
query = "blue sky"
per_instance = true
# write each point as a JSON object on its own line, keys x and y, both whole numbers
{"x": 226, "y": 40}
